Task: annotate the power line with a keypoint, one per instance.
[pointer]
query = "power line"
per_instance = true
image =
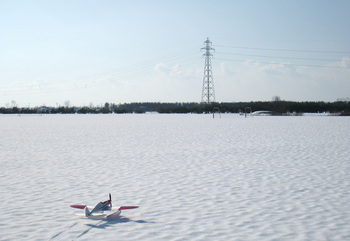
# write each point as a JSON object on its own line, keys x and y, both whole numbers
{"x": 138, "y": 70}
{"x": 286, "y": 50}
{"x": 297, "y": 65}
{"x": 280, "y": 57}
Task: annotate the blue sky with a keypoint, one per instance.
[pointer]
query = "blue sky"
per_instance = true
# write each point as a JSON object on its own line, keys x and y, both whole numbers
{"x": 92, "y": 52}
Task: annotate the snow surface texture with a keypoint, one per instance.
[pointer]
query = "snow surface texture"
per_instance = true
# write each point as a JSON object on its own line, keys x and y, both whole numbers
{"x": 194, "y": 177}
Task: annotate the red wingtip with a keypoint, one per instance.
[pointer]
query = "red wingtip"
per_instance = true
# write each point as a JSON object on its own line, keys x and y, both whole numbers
{"x": 78, "y": 206}
{"x": 127, "y": 207}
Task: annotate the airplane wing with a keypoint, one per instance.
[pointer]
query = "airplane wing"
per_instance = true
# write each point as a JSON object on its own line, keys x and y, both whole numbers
{"x": 118, "y": 210}
{"x": 78, "y": 206}
{"x": 112, "y": 209}
{"x": 127, "y": 207}
{"x": 116, "y": 213}
{"x": 123, "y": 208}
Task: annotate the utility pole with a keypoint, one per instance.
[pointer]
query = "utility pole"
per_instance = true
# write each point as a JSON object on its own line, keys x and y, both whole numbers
{"x": 208, "y": 93}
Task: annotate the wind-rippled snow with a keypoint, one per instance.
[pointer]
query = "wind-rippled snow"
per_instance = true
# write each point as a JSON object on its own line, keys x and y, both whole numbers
{"x": 194, "y": 177}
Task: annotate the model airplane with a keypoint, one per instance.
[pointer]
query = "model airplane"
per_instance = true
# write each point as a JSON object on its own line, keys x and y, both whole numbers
{"x": 103, "y": 206}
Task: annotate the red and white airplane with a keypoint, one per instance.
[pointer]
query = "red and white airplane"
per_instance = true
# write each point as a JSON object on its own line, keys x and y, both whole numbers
{"x": 101, "y": 207}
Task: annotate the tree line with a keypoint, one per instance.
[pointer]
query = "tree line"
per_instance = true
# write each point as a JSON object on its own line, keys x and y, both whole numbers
{"x": 276, "y": 107}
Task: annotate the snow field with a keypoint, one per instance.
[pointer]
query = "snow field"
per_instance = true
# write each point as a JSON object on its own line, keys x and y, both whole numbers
{"x": 194, "y": 177}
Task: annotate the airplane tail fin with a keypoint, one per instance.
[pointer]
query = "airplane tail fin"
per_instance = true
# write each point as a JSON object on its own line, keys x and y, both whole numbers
{"x": 110, "y": 199}
{"x": 87, "y": 212}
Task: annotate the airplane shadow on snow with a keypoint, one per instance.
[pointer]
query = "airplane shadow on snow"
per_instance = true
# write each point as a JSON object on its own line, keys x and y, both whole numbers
{"x": 102, "y": 224}
{"x": 109, "y": 221}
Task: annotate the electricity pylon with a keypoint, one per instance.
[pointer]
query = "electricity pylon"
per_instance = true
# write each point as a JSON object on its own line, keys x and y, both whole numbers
{"x": 208, "y": 93}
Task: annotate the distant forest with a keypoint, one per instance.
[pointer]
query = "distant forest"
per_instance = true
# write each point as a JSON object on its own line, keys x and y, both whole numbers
{"x": 277, "y": 107}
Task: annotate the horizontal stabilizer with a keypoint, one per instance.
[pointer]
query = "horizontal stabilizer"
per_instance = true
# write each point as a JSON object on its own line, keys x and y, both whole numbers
{"x": 127, "y": 207}
{"x": 78, "y": 206}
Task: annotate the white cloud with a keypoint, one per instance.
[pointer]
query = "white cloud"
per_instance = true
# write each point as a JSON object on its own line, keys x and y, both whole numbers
{"x": 255, "y": 80}
{"x": 248, "y": 81}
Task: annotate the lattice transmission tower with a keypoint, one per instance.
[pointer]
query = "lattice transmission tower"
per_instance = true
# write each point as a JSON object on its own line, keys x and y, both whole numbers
{"x": 208, "y": 93}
